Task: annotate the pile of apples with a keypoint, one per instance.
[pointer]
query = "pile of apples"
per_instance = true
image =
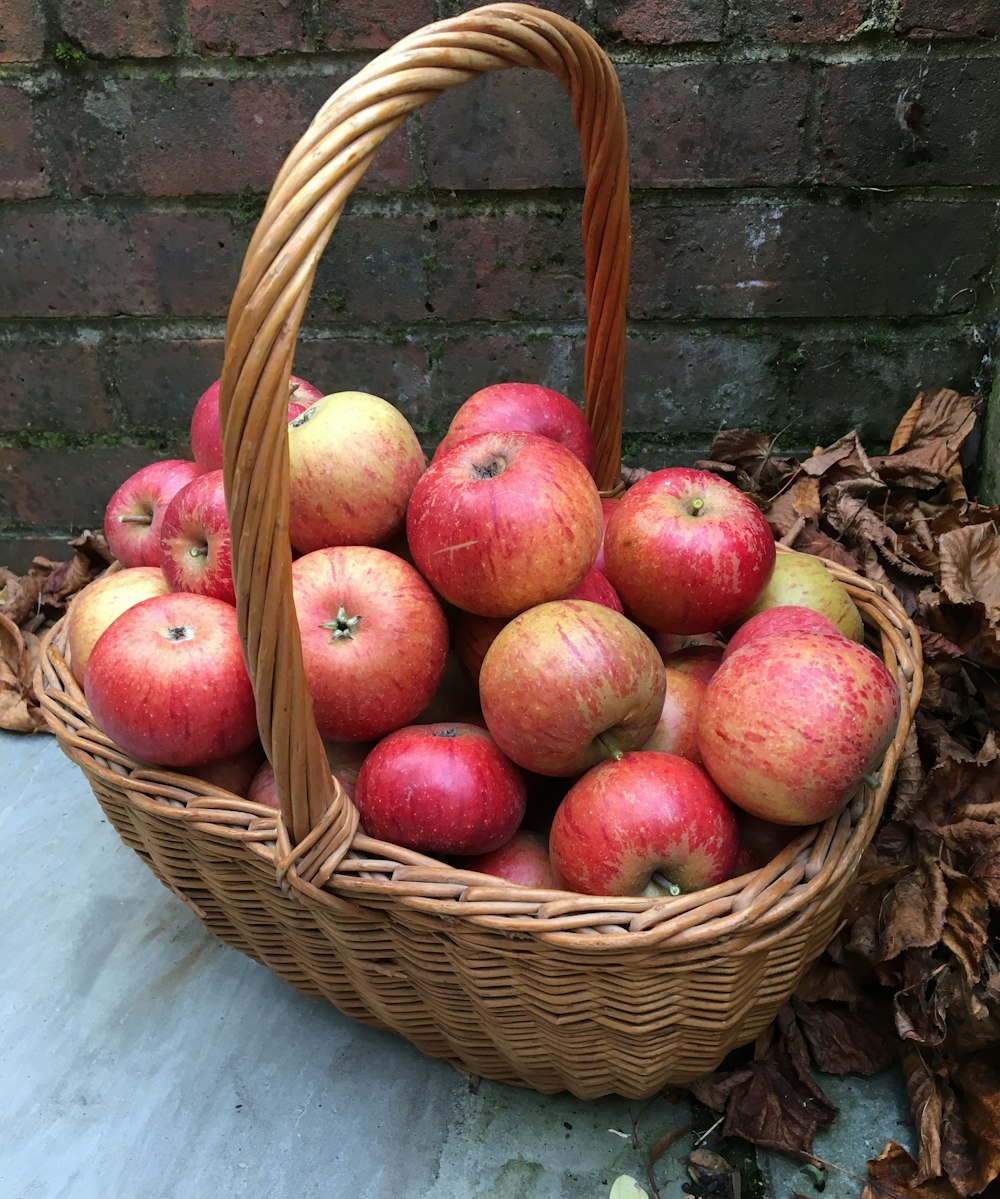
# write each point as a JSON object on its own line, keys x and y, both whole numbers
{"x": 629, "y": 696}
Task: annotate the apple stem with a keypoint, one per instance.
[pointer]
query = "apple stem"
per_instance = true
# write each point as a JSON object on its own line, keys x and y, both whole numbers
{"x": 696, "y": 506}
{"x": 661, "y": 880}
{"x": 343, "y": 627}
{"x": 198, "y": 551}
{"x": 146, "y": 518}
{"x": 609, "y": 746}
{"x": 872, "y": 780}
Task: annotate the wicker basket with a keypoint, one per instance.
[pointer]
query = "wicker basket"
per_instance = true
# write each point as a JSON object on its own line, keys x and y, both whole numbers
{"x": 550, "y": 990}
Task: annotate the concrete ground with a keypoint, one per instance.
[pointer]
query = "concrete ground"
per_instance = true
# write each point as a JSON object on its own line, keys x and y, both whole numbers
{"x": 141, "y": 1057}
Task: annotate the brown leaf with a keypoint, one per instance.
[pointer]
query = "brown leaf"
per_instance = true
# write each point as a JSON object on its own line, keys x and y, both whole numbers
{"x": 975, "y": 849}
{"x": 936, "y": 416}
{"x": 972, "y": 1158}
{"x": 19, "y": 710}
{"x": 780, "y": 1106}
{"x": 845, "y": 1040}
{"x": 893, "y": 1174}
{"x": 928, "y": 1095}
{"x": 914, "y": 911}
{"x": 714, "y": 1089}
{"x": 966, "y": 925}
{"x": 19, "y": 594}
{"x": 970, "y": 568}
{"x": 924, "y": 989}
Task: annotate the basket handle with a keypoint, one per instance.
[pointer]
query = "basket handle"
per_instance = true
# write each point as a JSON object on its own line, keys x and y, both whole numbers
{"x": 302, "y": 210}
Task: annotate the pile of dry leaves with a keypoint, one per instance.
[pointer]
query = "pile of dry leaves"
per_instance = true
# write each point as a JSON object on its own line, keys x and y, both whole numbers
{"x": 914, "y": 974}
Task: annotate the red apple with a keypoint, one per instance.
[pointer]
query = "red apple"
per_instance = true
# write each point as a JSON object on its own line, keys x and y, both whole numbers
{"x": 700, "y": 660}
{"x": 523, "y": 860}
{"x": 504, "y": 521}
{"x": 195, "y": 552}
{"x": 440, "y": 788}
{"x": 473, "y": 637}
{"x": 100, "y": 602}
{"x": 790, "y": 725}
{"x": 676, "y": 731}
{"x": 570, "y": 683}
{"x": 374, "y": 640}
{"x": 134, "y": 514}
{"x": 595, "y": 586}
{"x": 608, "y": 505}
{"x": 522, "y": 408}
{"x": 166, "y": 681}
{"x": 206, "y": 431}
{"x": 353, "y": 460}
{"x": 786, "y": 618}
{"x": 345, "y": 760}
{"x": 687, "y": 551}
{"x": 802, "y": 579}
{"x": 647, "y": 824}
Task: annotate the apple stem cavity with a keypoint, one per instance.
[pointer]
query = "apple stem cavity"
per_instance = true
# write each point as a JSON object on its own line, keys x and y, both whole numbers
{"x": 180, "y": 632}
{"x": 342, "y": 627}
{"x": 697, "y": 506}
{"x": 304, "y": 417}
{"x": 661, "y": 880}
{"x": 490, "y": 469}
{"x": 609, "y": 746}
{"x": 198, "y": 551}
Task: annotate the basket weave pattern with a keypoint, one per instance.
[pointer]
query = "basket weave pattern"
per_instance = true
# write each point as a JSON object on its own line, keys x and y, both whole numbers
{"x": 547, "y": 989}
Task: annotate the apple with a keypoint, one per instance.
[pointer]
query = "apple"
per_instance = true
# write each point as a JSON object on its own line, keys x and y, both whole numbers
{"x": 786, "y": 618}
{"x": 646, "y": 824}
{"x": 374, "y": 640}
{"x": 608, "y": 505}
{"x": 195, "y": 549}
{"x": 802, "y": 579}
{"x": 345, "y": 760}
{"x": 504, "y": 521}
{"x": 687, "y": 551}
{"x": 134, "y": 514}
{"x": 700, "y": 660}
{"x": 790, "y": 725}
{"x": 440, "y": 788}
{"x": 206, "y": 431}
{"x": 234, "y": 774}
{"x": 570, "y": 683}
{"x": 595, "y": 586}
{"x": 523, "y": 861}
{"x": 676, "y": 732}
{"x": 523, "y": 408}
{"x": 763, "y": 839}
{"x": 473, "y": 637}
{"x": 454, "y": 697}
{"x": 166, "y": 681}
{"x": 353, "y": 462}
{"x": 95, "y": 606}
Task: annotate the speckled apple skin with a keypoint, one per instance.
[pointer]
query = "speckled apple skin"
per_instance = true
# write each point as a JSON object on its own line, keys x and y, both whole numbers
{"x": 786, "y": 618}
{"x": 802, "y": 579}
{"x": 686, "y": 551}
{"x": 790, "y": 724}
{"x": 646, "y": 812}
{"x": 562, "y": 673}
{"x": 676, "y": 731}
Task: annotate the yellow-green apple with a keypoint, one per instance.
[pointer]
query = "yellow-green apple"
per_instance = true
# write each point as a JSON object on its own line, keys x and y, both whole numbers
{"x": 353, "y": 459}
{"x": 523, "y": 408}
{"x": 374, "y": 640}
{"x": 440, "y": 788}
{"x": 676, "y": 731}
{"x": 523, "y": 860}
{"x": 166, "y": 681}
{"x": 646, "y": 824}
{"x": 100, "y": 602}
{"x": 786, "y": 618}
{"x": 195, "y": 551}
{"x": 504, "y": 521}
{"x": 205, "y": 432}
{"x": 803, "y": 579}
{"x": 687, "y": 551}
{"x": 700, "y": 660}
{"x": 134, "y": 514}
{"x": 568, "y": 684}
{"x": 790, "y": 725}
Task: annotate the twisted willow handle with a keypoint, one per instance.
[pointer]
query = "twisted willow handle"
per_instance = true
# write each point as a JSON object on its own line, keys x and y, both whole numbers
{"x": 270, "y": 299}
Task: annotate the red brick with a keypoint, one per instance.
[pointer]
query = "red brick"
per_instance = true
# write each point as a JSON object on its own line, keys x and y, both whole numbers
{"x": 798, "y": 20}
{"x": 370, "y": 24}
{"x": 654, "y": 23}
{"x": 67, "y": 488}
{"x": 929, "y": 18}
{"x": 158, "y": 383}
{"x": 509, "y": 267}
{"x": 188, "y": 262}
{"x": 911, "y": 122}
{"x": 239, "y": 27}
{"x": 52, "y": 386}
{"x": 22, "y": 31}
{"x": 395, "y": 367}
{"x": 121, "y": 28}
{"x": 24, "y": 173}
{"x": 509, "y": 130}
{"x": 715, "y": 124}
{"x": 198, "y": 136}
{"x": 811, "y": 260}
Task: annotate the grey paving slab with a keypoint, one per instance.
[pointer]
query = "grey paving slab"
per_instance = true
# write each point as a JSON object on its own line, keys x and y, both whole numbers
{"x": 141, "y": 1057}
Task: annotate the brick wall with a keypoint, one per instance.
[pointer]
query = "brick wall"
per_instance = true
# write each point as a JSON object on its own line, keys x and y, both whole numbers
{"x": 815, "y": 219}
